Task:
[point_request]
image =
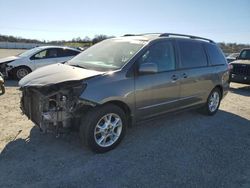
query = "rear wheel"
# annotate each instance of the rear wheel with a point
(213, 102)
(103, 128)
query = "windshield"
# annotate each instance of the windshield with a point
(108, 55)
(245, 54)
(29, 52)
(233, 55)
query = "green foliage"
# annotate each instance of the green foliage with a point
(232, 47)
(4, 38)
(77, 44)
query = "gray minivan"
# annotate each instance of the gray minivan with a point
(123, 80)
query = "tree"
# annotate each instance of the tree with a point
(86, 39)
(99, 38)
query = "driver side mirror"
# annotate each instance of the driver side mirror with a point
(148, 68)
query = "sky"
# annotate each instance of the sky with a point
(219, 20)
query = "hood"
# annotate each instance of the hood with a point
(7, 59)
(54, 74)
(241, 61)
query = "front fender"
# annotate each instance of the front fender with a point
(108, 89)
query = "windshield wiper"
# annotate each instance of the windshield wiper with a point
(79, 66)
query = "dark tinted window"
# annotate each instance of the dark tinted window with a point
(161, 54)
(67, 52)
(215, 55)
(52, 53)
(245, 54)
(192, 54)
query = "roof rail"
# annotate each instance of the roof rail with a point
(129, 35)
(188, 36)
(142, 34)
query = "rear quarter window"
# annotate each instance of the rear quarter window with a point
(192, 54)
(215, 55)
(67, 53)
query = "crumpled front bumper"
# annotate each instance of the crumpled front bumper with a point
(38, 109)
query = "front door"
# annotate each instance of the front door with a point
(45, 57)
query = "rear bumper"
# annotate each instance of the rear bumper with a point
(244, 79)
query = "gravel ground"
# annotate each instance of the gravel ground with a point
(10, 52)
(180, 150)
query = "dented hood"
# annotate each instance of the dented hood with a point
(241, 61)
(54, 74)
(7, 59)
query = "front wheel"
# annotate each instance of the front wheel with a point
(21, 72)
(103, 128)
(2, 89)
(213, 102)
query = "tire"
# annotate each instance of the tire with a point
(2, 89)
(99, 134)
(21, 72)
(213, 102)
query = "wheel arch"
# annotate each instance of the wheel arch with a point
(13, 71)
(220, 88)
(23, 66)
(124, 107)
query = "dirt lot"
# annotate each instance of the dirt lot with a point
(186, 149)
(182, 150)
(10, 52)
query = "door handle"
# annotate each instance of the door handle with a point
(174, 77)
(184, 75)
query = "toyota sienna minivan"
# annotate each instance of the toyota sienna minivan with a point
(124, 80)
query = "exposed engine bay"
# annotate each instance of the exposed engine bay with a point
(55, 107)
(5, 65)
(5, 69)
(51, 96)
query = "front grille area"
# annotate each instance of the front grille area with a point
(3, 69)
(241, 69)
(31, 105)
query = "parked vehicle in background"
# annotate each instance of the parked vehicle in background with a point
(120, 81)
(24, 63)
(2, 88)
(240, 72)
(232, 57)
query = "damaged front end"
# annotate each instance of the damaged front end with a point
(56, 107)
(5, 69)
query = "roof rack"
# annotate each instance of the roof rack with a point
(129, 35)
(188, 36)
(142, 34)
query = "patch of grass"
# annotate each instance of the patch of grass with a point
(78, 44)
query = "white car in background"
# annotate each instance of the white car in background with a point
(24, 63)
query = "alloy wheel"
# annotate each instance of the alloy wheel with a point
(108, 130)
(214, 101)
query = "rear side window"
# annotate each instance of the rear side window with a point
(67, 52)
(192, 54)
(215, 55)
